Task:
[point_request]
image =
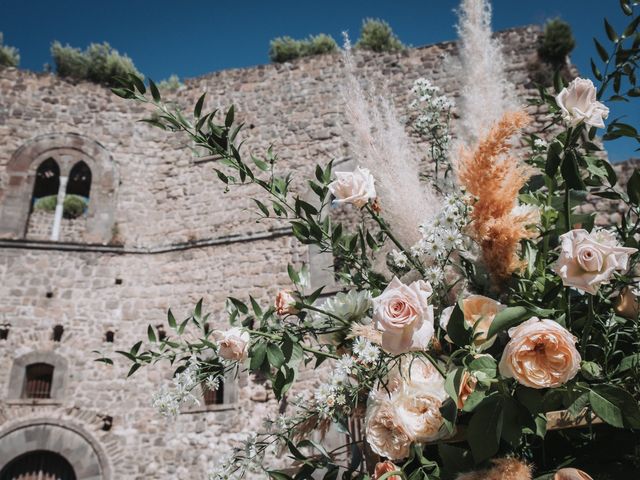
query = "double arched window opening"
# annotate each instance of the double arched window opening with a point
(64, 196)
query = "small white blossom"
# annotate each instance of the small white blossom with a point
(399, 258)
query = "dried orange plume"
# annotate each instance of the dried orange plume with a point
(503, 469)
(493, 177)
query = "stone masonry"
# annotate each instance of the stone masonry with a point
(160, 232)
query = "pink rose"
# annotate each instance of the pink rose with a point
(355, 187)
(589, 259)
(540, 354)
(285, 303)
(467, 386)
(578, 103)
(386, 467)
(383, 431)
(404, 316)
(232, 344)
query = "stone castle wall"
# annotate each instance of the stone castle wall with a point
(161, 233)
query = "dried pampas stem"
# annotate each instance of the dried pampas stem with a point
(494, 178)
(503, 469)
(380, 143)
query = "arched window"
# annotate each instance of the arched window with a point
(47, 183)
(80, 180)
(38, 381)
(38, 465)
(213, 397)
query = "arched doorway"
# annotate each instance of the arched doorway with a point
(38, 465)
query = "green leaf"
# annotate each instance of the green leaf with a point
(626, 7)
(605, 409)
(611, 33)
(485, 429)
(278, 475)
(155, 93)
(633, 187)
(228, 119)
(455, 459)
(151, 334)
(275, 355)
(631, 28)
(457, 329)
(553, 158)
(258, 355)
(601, 51)
(571, 172)
(198, 108)
(596, 71)
(630, 362)
(133, 369)
(263, 208)
(507, 318)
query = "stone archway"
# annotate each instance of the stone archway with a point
(72, 443)
(67, 149)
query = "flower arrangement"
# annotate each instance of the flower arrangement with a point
(453, 355)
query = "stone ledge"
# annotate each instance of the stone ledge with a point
(93, 247)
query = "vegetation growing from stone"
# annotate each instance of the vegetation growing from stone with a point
(557, 42)
(98, 63)
(285, 49)
(73, 206)
(171, 83)
(9, 56)
(376, 35)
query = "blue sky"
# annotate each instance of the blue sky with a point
(193, 37)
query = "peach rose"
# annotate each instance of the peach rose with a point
(285, 303)
(416, 392)
(571, 474)
(467, 386)
(588, 260)
(404, 316)
(540, 354)
(479, 312)
(383, 431)
(232, 344)
(578, 103)
(386, 467)
(355, 187)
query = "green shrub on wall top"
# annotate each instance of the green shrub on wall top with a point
(376, 35)
(73, 206)
(557, 42)
(99, 63)
(285, 49)
(9, 56)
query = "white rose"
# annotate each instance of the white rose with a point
(232, 344)
(589, 259)
(404, 316)
(578, 104)
(355, 187)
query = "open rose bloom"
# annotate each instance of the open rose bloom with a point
(540, 354)
(578, 104)
(403, 314)
(355, 187)
(405, 410)
(588, 260)
(232, 344)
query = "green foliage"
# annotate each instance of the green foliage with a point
(99, 63)
(285, 49)
(73, 206)
(9, 56)
(557, 42)
(172, 83)
(376, 35)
